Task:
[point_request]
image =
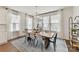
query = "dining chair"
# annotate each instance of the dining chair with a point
(27, 37)
(39, 42)
(53, 40)
(33, 37)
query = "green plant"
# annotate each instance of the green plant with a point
(74, 30)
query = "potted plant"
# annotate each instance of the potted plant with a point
(74, 31)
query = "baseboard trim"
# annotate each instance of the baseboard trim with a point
(16, 38)
(3, 42)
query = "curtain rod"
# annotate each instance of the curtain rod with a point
(50, 12)
(9, 9)
(14, 10)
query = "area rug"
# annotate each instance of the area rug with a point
(24, 47)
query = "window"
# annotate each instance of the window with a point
(29, 22)
(15, 22)
(55, 22)
(40, 23)
(46, 23)
(35, 23)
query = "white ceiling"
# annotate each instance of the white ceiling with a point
(32, 9)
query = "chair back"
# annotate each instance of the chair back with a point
(55, 37)
(32, 36)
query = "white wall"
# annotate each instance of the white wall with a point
(3, 26)
(75, 11)
(67, 12)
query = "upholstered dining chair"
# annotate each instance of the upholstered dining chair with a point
(33, 37)
(39, 42)
(27, 37)
(53, 40)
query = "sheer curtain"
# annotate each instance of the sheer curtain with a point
(55, 22)
(29, 23)
(45, 22)
(40, 23)
(35, 22)
(15, 22)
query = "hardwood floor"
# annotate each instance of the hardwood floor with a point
(8, 47)
(71, 49)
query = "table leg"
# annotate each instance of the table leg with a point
(46, 43)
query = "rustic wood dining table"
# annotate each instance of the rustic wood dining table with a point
(46, 36)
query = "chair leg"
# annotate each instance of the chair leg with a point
(36, 44)
(47, 43)
(25, 37)
(25, 40)
(54, 44)
(41, 47)
(32, 42)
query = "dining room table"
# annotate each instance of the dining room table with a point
(46, 36)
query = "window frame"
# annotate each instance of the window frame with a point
(14, 23)
(55, 23)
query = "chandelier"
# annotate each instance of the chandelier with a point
(36, 12)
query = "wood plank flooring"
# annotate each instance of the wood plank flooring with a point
(71, 49)
(8, 48)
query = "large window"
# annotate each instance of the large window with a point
(40, 23)
(55, 22)
(45, 22)
(29, 22)
(15, 22)
(50, 22)
(35, 22)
